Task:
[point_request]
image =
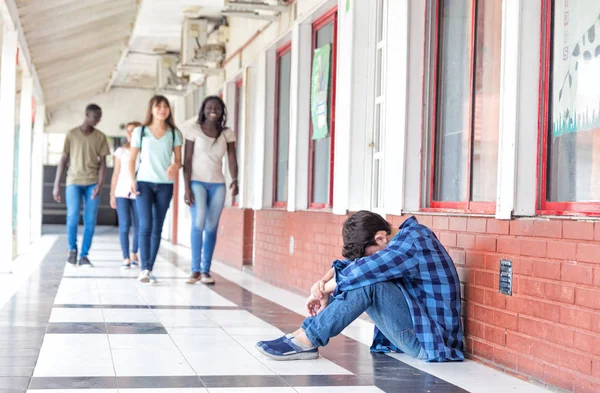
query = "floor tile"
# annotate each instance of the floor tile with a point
(141, 341)
(72, 391)
(165, 390)
(160, 383)
(251, 390)
(76, 315)
(129, 315)
(150, 362)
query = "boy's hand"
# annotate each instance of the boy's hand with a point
(314, 306)
(317, 289)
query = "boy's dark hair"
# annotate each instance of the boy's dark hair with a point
(359, 233)
(92, 108)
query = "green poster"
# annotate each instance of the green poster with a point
(319, 95)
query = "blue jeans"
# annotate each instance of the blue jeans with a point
(128, 217)
(209, 199)
(152, 205)
(74, 195)
(385, 304)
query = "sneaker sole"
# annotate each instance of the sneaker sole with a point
(191, 282)
(145, 280)
(125, 267)
(86, 266)
(297, 356)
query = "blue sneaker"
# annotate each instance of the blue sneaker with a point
(284, 349)
(276, 341)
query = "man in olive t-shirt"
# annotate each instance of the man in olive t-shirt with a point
(85, 152)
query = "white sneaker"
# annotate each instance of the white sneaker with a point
(126, 264)
(152, 278)
(144, 276)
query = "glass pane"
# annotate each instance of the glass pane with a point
(376, 175)
(574, 133)
(283, 126)
(321, 154)
(486, 125)
(377, 129)
(378, 72)
(379, 20)
(454, 100)
(320, 191)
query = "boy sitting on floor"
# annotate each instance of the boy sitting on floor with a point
(403, 279)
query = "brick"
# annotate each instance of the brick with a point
(465, 275)
(440, 222)
(505, 358)
(551, 228)
(485, 279)
(558, 335)
(506, 320)
(495, 299)
(523, 266)
(484, 314)
(532, 287)
(562, 250)
(475, 329)
(576, 362)
(474, 294)
(498, 227)
(537, 309)
(458, 256)
(465, 241)
(546, 352)
(596, 368)
(491, 262)
(577, 273)
(530, 366)
(587, 343)
(597, 232)
(484, 350)
(558, 377)
(531, 327)
(458, 224)
(533, 248)
(585, 385)
(522, 227)
(475, 259)
(448, 239)
(588, 252)
(587, 298)
(518, 342)
(425, 220)
(485, 243)
(509, 246)
(547, 269)
(560, 293)
(476, 224)
(495, 335)
(578, 230)
(569, 315)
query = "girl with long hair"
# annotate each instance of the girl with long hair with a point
(123, 200)
(155, 142)
(206, 143)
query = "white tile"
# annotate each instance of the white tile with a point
(141, 341)
(167, 390)
(72, 391)
(340, 389)
(267, 333)
(113, 315)
(235, 318)
(150, 362)
(236, 364)
(251, 390)
(119, 298)
(195, 331)
(320, 366)
(62, 315)
(183, 318)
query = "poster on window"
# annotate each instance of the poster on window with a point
(319, 93)
(576, 66)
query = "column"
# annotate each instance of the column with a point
(7, 125)
(25, 157)
(37, 172)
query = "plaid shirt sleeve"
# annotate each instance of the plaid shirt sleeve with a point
(396, 261)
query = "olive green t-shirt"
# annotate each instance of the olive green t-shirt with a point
(84, 153)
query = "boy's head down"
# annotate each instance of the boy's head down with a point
(364, 234)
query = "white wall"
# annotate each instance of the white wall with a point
(119, 106)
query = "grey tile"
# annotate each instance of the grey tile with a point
(14, 382)
(13, 345)
(159, 382)
(23, 353)
(76, 328)
(136, 328)
(73, 383)
(17, 371)
(325, 380)
(242, 381)
(18, 361)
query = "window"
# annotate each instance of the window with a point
(321, 150)
(570, 178)
(467, 98)
(282, 124)
(239, 113)
(377, 141)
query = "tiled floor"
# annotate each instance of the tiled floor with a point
(69, 329)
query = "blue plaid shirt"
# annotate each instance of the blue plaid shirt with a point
(418, 263)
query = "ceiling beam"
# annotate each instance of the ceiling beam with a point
(81, 77)
(65, 10)
(62, 62)
(10, 15)
(62, 98)
(74, 54)
(76, 42)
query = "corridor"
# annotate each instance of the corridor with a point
(99, 330)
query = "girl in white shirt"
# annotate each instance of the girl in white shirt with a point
(206, 143)
(123, 200)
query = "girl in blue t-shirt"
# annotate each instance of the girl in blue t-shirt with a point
(156, 142)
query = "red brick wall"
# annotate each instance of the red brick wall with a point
(549, 329)
(235, 237)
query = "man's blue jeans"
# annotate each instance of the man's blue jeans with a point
(152, 205)
(74, 195)
(128, 218)
(209, 199)
(385, 304)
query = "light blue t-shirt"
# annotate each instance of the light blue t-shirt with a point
(156, 154)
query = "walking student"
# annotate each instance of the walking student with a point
(123, 200)
(84, 152)
(155, 142)
(206, 143)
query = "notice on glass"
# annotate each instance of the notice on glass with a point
(319, 92)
